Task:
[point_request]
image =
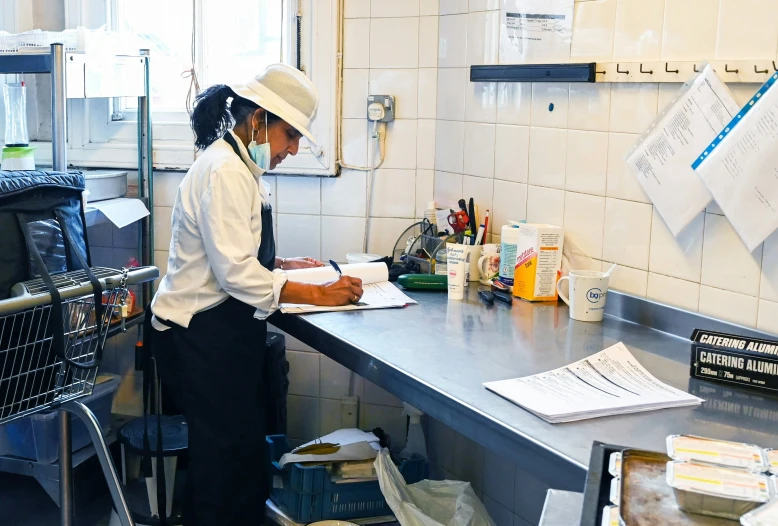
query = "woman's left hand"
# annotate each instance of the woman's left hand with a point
(299, 263)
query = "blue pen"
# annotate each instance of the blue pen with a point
(337, 269)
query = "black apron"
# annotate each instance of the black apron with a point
(213, 370)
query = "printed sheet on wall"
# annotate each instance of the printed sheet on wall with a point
(740, 167)
(662, 158)
(535, 31)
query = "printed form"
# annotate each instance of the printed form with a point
(663, 157)
(610, 382)
(740, 168)
(536, 31)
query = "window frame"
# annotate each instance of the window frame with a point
(94, 140)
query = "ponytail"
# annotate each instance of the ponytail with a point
(212, 116)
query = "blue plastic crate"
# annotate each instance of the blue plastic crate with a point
(307, 494)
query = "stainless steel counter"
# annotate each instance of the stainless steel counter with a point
(436, 355)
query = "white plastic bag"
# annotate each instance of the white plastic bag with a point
(429, 502)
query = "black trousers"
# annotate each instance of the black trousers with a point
(213, 372)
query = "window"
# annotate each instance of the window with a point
(235, 40)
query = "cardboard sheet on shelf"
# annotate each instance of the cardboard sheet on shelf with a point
(122, 211)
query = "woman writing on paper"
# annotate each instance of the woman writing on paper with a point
(224, 280)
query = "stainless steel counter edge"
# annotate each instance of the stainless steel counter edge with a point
(546, 463)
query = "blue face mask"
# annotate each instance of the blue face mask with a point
(260, 153)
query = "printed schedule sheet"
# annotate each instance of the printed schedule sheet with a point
(740, 168)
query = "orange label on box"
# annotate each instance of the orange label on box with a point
(538, 258)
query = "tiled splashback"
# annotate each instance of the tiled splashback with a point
(554, 152)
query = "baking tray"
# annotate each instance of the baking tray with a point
(646, 497)
(598, 483)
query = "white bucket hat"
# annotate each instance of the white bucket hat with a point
(285, 92)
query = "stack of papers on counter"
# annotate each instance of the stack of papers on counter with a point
(610, 382)
(379, 292)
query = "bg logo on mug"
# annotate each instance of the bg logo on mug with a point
(595, 295)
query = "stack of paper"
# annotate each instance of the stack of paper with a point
(610, 382)
(379, 293)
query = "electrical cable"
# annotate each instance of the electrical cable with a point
(380, 139)
(191, 73)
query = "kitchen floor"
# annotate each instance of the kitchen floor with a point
(23, 502)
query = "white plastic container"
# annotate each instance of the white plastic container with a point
(36, 437)
(456, 265)
(509, 236)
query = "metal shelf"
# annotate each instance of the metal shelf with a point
(86, 76)
(83, 76)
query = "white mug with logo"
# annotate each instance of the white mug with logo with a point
(588, 292)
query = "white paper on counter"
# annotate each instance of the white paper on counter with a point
(662, 158)
(611, 382)
(740, 167)
(378, 291)
(122, 211)
(536, 31)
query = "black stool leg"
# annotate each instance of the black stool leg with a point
(109, 470)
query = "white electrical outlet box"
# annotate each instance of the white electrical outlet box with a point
(384, 101)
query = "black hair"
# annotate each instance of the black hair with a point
(212, 116)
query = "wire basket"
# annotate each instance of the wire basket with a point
(36, 375)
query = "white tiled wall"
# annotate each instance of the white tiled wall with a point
(543, 152)
(556, 153)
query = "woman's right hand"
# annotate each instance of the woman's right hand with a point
(344, 291)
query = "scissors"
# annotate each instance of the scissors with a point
(458, 221)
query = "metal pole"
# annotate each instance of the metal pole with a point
(104, 456)
(59, 137)
(66, 510)
(59, 162)
(145, 175)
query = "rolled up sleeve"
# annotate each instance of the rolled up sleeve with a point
(224, 218)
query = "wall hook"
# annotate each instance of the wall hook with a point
(695, 69)
(760, 71)
(618, 69)
(776, 69)
(600, 72)
(726, 68)
(672, 70)
(650, 72)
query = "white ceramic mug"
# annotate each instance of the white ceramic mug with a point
(588, 292)
(489, 267)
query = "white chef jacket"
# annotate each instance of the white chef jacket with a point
(216, 232)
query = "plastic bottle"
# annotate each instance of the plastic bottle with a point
(416, 444)
(429, 215)
(509, 235)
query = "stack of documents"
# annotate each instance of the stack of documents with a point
(610, 382)
(379, 293)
